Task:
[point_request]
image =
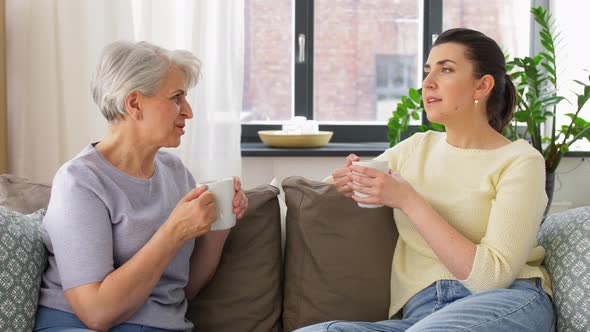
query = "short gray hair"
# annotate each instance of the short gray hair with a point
(125, 67)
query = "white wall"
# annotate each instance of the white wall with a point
(261, 170)
(572, 184)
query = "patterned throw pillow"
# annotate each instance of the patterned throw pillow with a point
(566, 239)
(23, 258)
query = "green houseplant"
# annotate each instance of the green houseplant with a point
(536, 110)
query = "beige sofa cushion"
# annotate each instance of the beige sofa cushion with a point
(337, 256)
(22, 195)
(245, 293)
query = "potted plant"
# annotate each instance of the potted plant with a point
(536, 106)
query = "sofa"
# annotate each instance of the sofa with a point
(333, 262)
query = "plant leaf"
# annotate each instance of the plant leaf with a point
(416, 95)
(581, 101)
(437, 126)
(409, 103)
(548, 46)
(570, 115)
(564, 149)
(401, 110)
(423, 128)
(521, 116)
(547, 57)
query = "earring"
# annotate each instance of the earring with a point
(476, 101)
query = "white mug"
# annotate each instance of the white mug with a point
(382, 165)
(223, 191)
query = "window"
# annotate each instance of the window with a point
(507, 22)
(349, 37)
(572, 60)
(394, 76)
(268, 61)
(347, 63)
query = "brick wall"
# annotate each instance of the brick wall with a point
(348, 36)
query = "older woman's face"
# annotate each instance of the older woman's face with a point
(450, 83)
(166, 111)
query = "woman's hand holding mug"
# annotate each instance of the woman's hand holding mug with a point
(194, 214)
(342, 176)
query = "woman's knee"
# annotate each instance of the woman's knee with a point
(321, 327)
(345, 326)
(501, 310)
(333, 326)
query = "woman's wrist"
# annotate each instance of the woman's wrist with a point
(412, 202)
(174, 233)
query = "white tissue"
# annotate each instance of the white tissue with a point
(299, 125)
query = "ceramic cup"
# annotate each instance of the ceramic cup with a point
(381, 165)
(223, 190)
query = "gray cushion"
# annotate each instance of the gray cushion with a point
(566, 239)
(22, 195)
(23, 258)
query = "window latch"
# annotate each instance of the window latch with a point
(301, 42)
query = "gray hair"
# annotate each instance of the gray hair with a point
(125, 67)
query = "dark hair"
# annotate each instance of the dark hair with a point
(487, 58)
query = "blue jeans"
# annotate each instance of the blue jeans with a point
(53, 320)
(448, 306)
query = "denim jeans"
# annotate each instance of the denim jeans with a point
(53, 320)
(448, 306)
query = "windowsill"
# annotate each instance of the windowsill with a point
(579, 154)
(369, 149)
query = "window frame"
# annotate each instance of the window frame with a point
(303, 78)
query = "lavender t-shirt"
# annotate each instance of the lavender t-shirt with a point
(99, 217)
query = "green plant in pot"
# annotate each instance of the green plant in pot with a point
(536, 111)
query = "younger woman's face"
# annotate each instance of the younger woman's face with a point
(449, 87)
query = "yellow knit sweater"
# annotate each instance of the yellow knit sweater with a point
(495, 198)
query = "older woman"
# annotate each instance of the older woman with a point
(127, 232)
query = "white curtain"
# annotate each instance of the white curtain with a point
(573, 62)
(214, 31)
(53, 48)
